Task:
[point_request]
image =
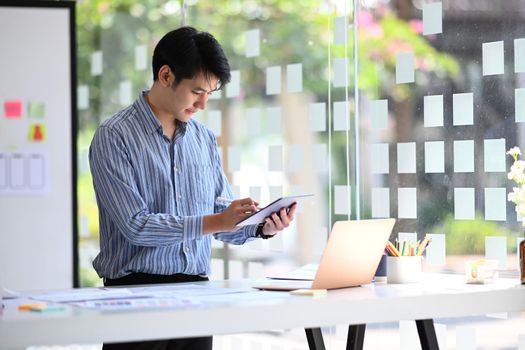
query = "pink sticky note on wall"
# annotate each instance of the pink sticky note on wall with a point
(13, 109)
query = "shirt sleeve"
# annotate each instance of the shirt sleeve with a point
(223, 189)
(118, 195)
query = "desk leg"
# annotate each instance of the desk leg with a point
(315, 338)
(356, 337)
(427, 334)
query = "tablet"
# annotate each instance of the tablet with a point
(259, 216)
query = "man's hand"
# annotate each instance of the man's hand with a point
(280, 220)
(238, 210)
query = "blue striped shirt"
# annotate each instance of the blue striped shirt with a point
(152, 194)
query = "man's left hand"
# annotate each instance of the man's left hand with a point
(280, 220)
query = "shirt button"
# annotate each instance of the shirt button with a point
(180, 196)
(187, 249)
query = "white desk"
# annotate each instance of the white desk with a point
(435, 297)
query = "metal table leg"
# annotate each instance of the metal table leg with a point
(356, 337)
(427, 334)
(315, 338)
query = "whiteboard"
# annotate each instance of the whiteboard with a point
(37, 145)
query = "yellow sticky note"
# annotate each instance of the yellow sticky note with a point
(309, 292)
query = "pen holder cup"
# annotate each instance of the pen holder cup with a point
(403, 269)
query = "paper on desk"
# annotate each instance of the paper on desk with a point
(189, 290)
(83, 294)
(138, 303)
(304, 273)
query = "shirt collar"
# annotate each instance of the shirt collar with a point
(149, 120)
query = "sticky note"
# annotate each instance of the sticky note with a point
(310, 292)
(235, 269)
(340, 72)
(317, 115)
(320, 157)
(519, 104)
(275, 120)
(16, 168)
(519, 55)
(255, 193)
(381, 202)
(36, 170)
(96, 63)
(273, 80)
(37, 132)
(83, 97)
(253, 40)
(464, 208)
(28, 306)
(13, 109)
(215, 121)
(496, 249)
(406, 157)
(296, 190)
(342, 200)
(494, 155)
(215, 95)
(340, 30)
(464, 156)
(141, 57)
(275, 158)
(233, 89)
(378, 114)
(341, 117)
(318, 241)
(3, 171)
(47, 308)
(432, 18)
(434, 157)
(234, 159)
(295, 159)
(276, 243)
(255, 269)
(409, 237)
(407, 203)
(236, 190)
(433, 110)
(294, 77)
(405, 67)
(217, 267)
(465, 338)
(493, 60)
(275, 192)
(379, 158)
(125, 93)
(253, 121)
(37, 110)
(463, 109)
(436, 250)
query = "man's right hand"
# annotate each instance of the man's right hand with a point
(225, 221)
(238, 210)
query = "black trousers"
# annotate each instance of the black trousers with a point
(201, 343)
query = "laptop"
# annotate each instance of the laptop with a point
(349, 259)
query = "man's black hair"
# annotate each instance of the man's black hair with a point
(189, 52)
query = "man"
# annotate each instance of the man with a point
(157, 175)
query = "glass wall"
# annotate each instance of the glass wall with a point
(380, 108)
(440, 103)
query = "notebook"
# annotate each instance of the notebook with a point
(349, 259)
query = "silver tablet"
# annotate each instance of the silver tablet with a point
(283, 202)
